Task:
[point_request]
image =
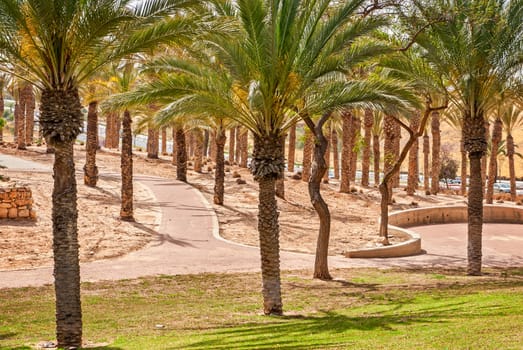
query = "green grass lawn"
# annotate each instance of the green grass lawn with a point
(361, 309)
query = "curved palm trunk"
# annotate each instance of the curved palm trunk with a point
(61, 120)
(291, 154)
(335, 154)
(181, 155)
(126, 211)
(426, 153)
(346, 117)
(368, 122)
(307, 156)
(463, 167)
(412, 181)
(319, 167)
(511, 168)
(267, 165)
(232, 139)
(91, 145)
(436, 145)
(219, 175)
(493, 163)
(476, 146)
(376, 158)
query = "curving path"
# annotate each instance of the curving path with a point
(188, 242)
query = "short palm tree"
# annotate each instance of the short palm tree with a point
(474, 44)
(57, 45)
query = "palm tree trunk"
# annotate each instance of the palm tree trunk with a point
(232, 139)
(19, 116)
(174, 160)
(396, 152)
(476, 146)
(511, 168)
(219, 175)
(181, 155)
(493, 163)
(238, 145)
(319, 167)
(307, 155)
(412, 181)
(198, 150)
(109, 129)
(326, 155)
(126, 211)
(355, 134)
(368, 122)
(244, 147)
(267, 165)
(280, 181)
(463, 167)
(164, 141)
(376, 158)
(389, 158)
(153, 137)
(484, 158)
(212, 147)
(1, 111)
(61, 121)
(292, 149)
(90, 168)
(335, 154)
(346, 117)
(426, 153)
(30, 105)
(436, 145)
(206, 146)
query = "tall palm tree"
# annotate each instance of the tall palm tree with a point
(436, 145)
(67, 45)
(413, 173)
(474, 45)
(497, 130)
(377, 132)
(368, 120)
(512, 117)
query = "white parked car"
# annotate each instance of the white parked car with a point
(502, 187)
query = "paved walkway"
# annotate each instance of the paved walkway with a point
(188, 242)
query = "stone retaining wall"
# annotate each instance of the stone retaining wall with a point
(16, 203)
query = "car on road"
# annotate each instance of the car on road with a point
(501, 187)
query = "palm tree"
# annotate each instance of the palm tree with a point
(368, 121)
(512, 118)
(497, 130)
(474, 45)
(377, 132)
(413, 174)
(308, 146)
(67, 45)
(436, 145)
(291, 152)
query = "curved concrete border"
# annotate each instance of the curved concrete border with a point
(400, 220)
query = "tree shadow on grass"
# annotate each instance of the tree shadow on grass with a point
(327, 329)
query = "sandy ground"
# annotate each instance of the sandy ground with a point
(28, 244)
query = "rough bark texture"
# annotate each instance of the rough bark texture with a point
(232, 139)
(198, 150)
(164, 141)
(326, 156)
(1, 111)
(244, 147)
(413, 177)
(484, 156)
(153, 138)
(511, 168)
(206, 138)
(61, 120)
(267, 165)
(355, 135)
(308, 147)
(212, 146)
(30, 105)
(112, 133)
(319, 167)
(126, 211)
(368, 122)
(396, 151)
(426, 154)
(280, 181)
(174, 160)
(181, 155)
(91, 145)
(476, 146)
(463, 167)
(238, 151)
(335, 154)
(493, 163)
(376, 158)
(19, 116)
(389, 158)
(219, 175)
(436, 145)
(346, 149)
(291, 154)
